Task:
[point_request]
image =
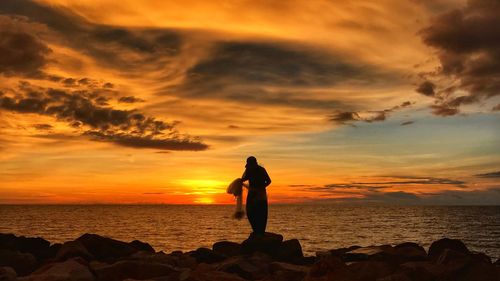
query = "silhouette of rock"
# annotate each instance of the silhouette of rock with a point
(244, 267)
(410, 251)
(106, 249)
(7, 274)
(290, 251)
(74, 269)
(72, 249)
(227, 248)
(140, 270)
(207, 256)
(287, 272)
(268, 243)
(142, 246)
(22, 263)
(36, 246)
(437, 247)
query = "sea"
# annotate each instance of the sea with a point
(318, 227)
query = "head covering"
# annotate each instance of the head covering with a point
(251, 162)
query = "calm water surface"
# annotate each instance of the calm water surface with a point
(318, 227)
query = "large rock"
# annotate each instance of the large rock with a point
(244, 268)
(373, 253)
(104, 248)
(437, 247)
(227, 248)
(371, 270)
(22, 263)
(36, 246)
(72, 249)
(207, 256)
(204, 272)
(290, 251)
(134, 270)
(142, 246)
(70, 270)
(268, 243)
(409, 251)
(7, 274)
(287, 272)
(329, 268)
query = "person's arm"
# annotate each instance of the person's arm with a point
(267, 178)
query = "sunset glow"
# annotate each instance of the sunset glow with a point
(162, 101)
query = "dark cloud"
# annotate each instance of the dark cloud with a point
(468, 45)
(407, 123)
(111, 45)
(489, 175)
(130, 99)
(82, 110)
(22, 53)
(42, 127)
(426, 88)
(348, 117)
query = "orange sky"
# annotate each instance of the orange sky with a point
(162, 101)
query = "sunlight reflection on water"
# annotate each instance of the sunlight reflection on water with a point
(318, 227)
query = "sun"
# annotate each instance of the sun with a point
(204, 200)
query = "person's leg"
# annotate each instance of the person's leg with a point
(251, 215)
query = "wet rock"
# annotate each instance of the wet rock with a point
(73, 249)
(70, 270)
(104, 248)
(36, 246)
(142, 246)
(227, 248)
(437, 247)
(290, 251)
(287, 272)
(268, 243)
(409, 251)
(22, 263)
(207, 256)
(7, 274)
(133, 269)
(244, 268)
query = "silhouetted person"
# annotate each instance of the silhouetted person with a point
(257, 198)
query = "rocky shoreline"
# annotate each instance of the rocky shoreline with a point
(92, 257)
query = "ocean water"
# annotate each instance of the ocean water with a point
(318, 227)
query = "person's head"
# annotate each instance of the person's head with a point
(251, 162)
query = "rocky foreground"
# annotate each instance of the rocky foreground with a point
(93, 258)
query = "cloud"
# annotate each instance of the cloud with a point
(82, 110)
(468, 47)
(407, 123)
(43, 127)
(130, 99)
(348, 117)
(489, 175)
(23, 53)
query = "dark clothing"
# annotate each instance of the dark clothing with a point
(257, 198)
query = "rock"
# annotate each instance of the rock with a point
(70, 270)
(243, 267)
(227, 248)
(437, 247)
(396, 277)
(409, 251)
(207, 256)
(38, 247)
(478, 271)
(268, 243)
(339, 252)
(7, 274)
(124, 269)
(420, 270)
(497, 263)
(371, 270)
(290, 251)
(287, 272)
(142, 246)
(374, 253)
(72, 249)
(104, 248)
(204, 272)
(329, 268)
(22, 263)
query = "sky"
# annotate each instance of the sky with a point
(346, 102)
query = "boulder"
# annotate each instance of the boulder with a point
(142, 246)
(104, 248)
(409, 251)
(70, 270)
(287, 272)
(140, 270)
(243, 267)
(22, 263)
(227, 248)
(207, 256)
(204, 272)
(72, 249)
(290, 251)
(374, 253)
(339, 252)
(371, 270)
(329, 268)
(268, 243)
(437, 247)
(420, 270)
(7, 274)
(37, 246)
